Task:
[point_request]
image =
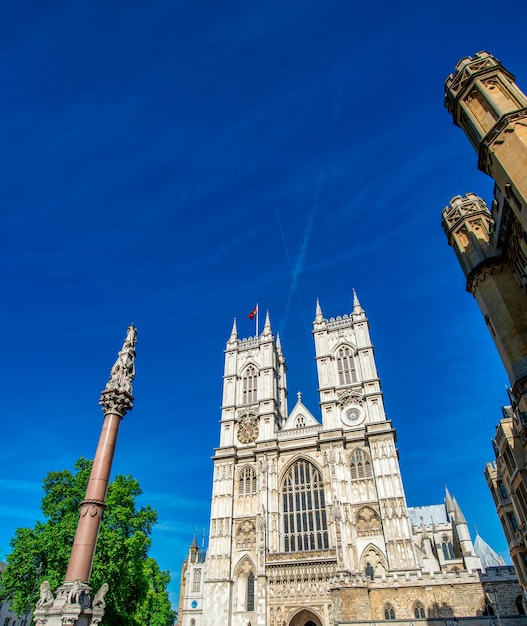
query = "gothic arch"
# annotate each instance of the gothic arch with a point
(344, 357)
(373, 562)
(303, 507)
(246, 480)
(295, 459)
(343, 343)
(244, 566)
(249, 383)
(305, 617)
(360, 464)
(244, 584)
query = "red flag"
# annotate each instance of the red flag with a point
(253, 313)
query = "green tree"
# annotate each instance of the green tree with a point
(137, 593)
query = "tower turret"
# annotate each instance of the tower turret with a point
(469, 226)
(485, 102)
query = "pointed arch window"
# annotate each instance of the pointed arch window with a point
(448, 548)
(346, 366)
(304, 509)
(419, 610)
(247, 481)
(389, 611)
(360, 466)
(249, 385)
(250, 592)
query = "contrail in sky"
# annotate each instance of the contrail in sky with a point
(298, 268)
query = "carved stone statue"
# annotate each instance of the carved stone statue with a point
(46, 595)
(98, 599)
(123, 371)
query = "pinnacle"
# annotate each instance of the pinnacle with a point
(357, 308)
(319, 317)
(267, 325)
(234, 331)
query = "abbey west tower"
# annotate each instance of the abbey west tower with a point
(281, 485)
(309, 522)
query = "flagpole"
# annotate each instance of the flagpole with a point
(257, 312)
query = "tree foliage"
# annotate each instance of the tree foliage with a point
(137, 593)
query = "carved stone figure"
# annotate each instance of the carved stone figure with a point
(46, 595)
(98, 599)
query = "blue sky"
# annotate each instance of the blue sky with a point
(171, 164)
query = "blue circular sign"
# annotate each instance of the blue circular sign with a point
(194, 604)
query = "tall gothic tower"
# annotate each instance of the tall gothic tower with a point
(309, 522)
(492, 247)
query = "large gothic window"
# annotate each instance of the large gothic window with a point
(360, 466)
(247, 481)
(304, 507)
(249, 385)
(346, 366)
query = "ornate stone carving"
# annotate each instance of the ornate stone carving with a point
(117, 395)
(99, 603)
(350, 397)
(123, 371)
(368, 522)
(46, 595)
(246, 535)
(92, 508)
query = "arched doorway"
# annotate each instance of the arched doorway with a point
(305, 617)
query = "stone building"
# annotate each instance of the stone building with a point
(309, 522)
(491, 246)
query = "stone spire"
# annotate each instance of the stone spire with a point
(318, 313)
(357, 308)
(234, 334)
(267, 326)
(460, 518)
(73, 603)
(358, 311)
(117, 395)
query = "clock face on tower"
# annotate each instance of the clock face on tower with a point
(352, 415)
(248, 431)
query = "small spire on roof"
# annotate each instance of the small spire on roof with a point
(234, 331)
(357, 308)
(267, 326)
(460, 518)
(449, 504)
(299, 396)
(318, 313)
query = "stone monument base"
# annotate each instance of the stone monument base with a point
(72, 605)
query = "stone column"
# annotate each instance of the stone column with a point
(73, 603)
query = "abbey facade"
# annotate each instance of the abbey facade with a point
(309, 522)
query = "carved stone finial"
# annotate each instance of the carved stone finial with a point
(123, 371)
(299, 396)
(117, 395)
